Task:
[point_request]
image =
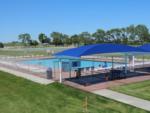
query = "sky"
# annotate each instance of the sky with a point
(68, 16)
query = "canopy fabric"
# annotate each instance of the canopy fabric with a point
(98, 49)
(145, 47)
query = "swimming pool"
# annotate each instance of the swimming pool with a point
(50, 63)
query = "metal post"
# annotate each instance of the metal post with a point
(70, 68)
(112, 73)
(143, 61)
(112, 62)
(60, 71)
(93, 63)
(126, 61)
(133, 61)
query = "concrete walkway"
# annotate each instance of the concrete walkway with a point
(27, 76)
(133, 101)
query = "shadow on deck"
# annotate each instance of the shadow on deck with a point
(100, 78)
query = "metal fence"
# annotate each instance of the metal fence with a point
(14, 64)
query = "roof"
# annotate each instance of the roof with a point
(98, 49)
(145, 47)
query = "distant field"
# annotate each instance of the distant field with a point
(18, 95)
(140, 89)
(30, 51)
(46, 51)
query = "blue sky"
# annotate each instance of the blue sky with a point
(68, 16)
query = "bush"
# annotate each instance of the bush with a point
(33, 43)
(1, 45)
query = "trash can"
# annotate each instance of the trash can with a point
(49, 73)
(78, 73)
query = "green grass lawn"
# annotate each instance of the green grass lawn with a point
(21, 53)
(140, 89)
(18, 95)
(29, 51)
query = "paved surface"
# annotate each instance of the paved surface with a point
(27, 76)
(140, 103)
(108, 84)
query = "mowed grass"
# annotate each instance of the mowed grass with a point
(140, 89)
(22, 53)
(18, 95)
(29, 51)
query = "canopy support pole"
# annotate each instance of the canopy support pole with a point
(112, 63)
(60, 71)
(143, 61)
(93, 63)
(133, 61)
(70, 68)
(126, 62)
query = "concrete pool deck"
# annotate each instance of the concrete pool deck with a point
(107, 84)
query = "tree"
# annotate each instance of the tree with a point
(66, 40)
(124, 36)
(142, 33)
(131, 33)
(43, 38)
(117, 35)
(85, 38)
(33, 43)
(99, 36)
(1, 45)
(128, 35)
(124, 40)
(57, 38)
(75, 39)
(25, 38)
(114, 35)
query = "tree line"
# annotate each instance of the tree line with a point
(133, 35)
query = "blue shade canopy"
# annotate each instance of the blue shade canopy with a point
(98, 49)
(145, 47)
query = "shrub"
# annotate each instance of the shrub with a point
(1, 45)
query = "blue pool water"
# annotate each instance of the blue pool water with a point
(54, 62)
